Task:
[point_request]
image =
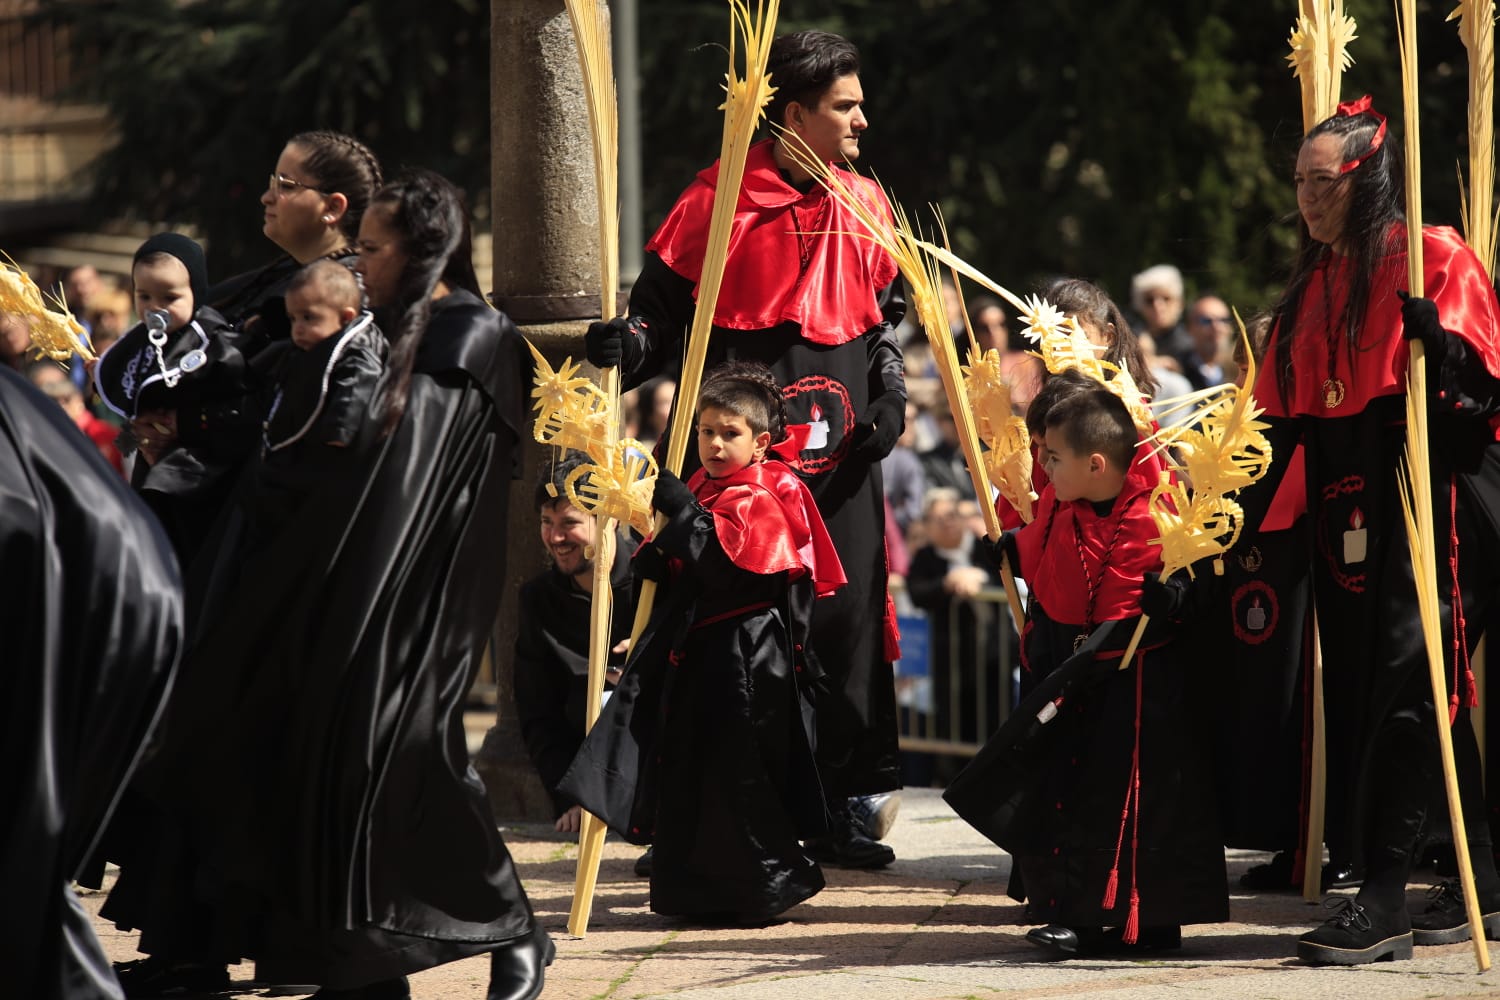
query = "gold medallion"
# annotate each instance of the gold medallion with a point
(1333, 393)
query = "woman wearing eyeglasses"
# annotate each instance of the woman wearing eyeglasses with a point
(1334, 380)
(313, 203)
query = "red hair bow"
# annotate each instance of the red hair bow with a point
(1359, 106)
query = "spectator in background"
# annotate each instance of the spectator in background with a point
(654, 409)
(903, 476)
(15, 342)
(49, 377)
(945, 574)
(1210, 325)
(1156, 295)
(944, 463)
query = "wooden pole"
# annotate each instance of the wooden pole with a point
(1317, 791)
(590, 20)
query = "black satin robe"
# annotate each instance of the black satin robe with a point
(91, 615)
(1052, 794)
(317, 752)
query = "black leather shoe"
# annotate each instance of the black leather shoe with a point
(643, 864)
(1446, 921)
(385, 989)
(1356, 935)
(1065, 942)
(519, 968)
(846, 845)
(160, 977)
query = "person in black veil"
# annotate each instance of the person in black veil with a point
(79, 697)
(317, 748)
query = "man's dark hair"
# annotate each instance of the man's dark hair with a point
(803, 66)
(1095, 421)
(549, 487)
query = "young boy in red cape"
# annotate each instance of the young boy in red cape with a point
(1094, 784)
(705, 749)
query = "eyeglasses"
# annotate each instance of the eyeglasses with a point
(1211, 320)
(284, 186)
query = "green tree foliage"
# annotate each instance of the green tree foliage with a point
(1075, 137)
(1065, 137)
(205, 94)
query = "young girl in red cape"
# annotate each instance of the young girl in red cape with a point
(705, 749)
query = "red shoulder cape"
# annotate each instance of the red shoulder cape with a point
(1055, 571)
(767, 522)
(833, 303)
(1455, 280)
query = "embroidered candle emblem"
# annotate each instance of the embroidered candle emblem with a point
(1255, 618)
(1355, 538)
(1333, 393)
(817, 436)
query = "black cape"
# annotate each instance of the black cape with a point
(91, 612)
(317, 750)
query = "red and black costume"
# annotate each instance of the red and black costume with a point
(1095, 784)
(818, 306)
(1346, 405)
(704, 749)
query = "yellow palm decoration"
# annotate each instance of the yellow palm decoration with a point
(54, 331)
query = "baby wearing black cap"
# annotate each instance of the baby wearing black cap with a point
(180, 381)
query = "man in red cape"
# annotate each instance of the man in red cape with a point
(818, 306)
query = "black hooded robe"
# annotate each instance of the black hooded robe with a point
(317, 753)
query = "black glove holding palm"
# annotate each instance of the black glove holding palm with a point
(671, 495)
(998, 549)
(1419, 321)
(878, 428)
(613, 344)
(1165, 599)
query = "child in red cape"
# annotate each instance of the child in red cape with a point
(707, 739)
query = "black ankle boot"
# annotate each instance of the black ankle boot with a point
(1356, 935)
(846, 845)
(518, 968)
(1446, 921)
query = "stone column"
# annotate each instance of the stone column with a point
(546, 276)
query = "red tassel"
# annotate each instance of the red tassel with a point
(1110, 888)
(1133, 922)
(1473, 699)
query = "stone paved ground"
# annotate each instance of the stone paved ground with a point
(934, 926)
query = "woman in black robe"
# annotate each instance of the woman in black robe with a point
(323, 710)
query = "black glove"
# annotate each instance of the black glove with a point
(649, 563)
(614, 344)
(1419, 321)
(1164, 599)
(671, 495)
(998, 549)
(877, 430)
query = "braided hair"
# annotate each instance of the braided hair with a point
(748, 390)
(341, 163)
(428, 214)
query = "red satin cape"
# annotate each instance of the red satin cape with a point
(833, 302)
(767, 522)
(1455, 281)
(1055, 572)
